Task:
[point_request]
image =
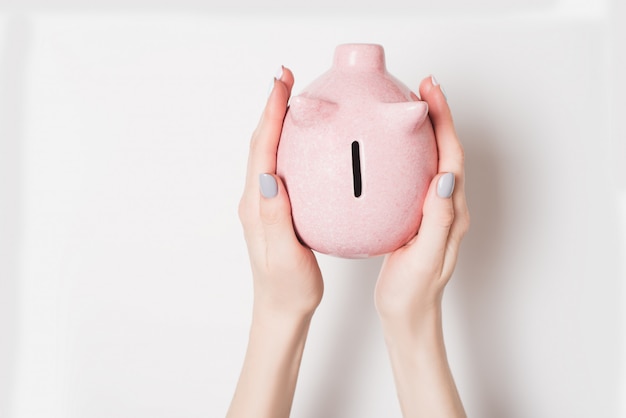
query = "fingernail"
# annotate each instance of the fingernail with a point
(279, 73)
(445, 185)
(277, 76)
(436, 83)
(268, 185)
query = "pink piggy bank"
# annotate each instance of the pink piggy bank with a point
(357, 154)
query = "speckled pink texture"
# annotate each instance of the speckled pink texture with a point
(356, 100)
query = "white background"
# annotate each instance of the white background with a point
(124, 284)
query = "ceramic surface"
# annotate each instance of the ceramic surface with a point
(357, 155)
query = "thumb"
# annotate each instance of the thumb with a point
(275, 210)
(438, 216)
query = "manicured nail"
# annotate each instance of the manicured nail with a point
(445, 185)
(277, 76)
(436, 83)
(279, 73)
(269, 187)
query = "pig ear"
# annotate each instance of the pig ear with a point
(305, 110)
(405, 115)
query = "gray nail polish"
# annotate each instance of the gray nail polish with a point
(445, 185)
(268, 185)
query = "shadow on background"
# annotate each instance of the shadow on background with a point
(489, 311)
(14, 61)
(478, 295)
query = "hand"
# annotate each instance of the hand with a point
(412, 278)
(288, 284)
(287, 278)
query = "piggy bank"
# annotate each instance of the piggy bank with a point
(357, 154)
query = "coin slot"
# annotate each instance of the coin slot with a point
(356, 169)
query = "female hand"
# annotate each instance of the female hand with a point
(287, 278)
(287, 281)
(412, 280)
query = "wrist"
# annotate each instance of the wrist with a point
(270, 311)
(418, 337)
(276, 320)
(285, 305)
(416, 323)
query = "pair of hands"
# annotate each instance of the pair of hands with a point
(288, 284)
(287, 278)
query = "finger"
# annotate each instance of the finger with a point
(275, 213)
(438, 217)
(448, 144)
(459, 228)
(264, 142)
(451, 155)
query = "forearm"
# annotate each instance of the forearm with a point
(270, 371)
(420, 366)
